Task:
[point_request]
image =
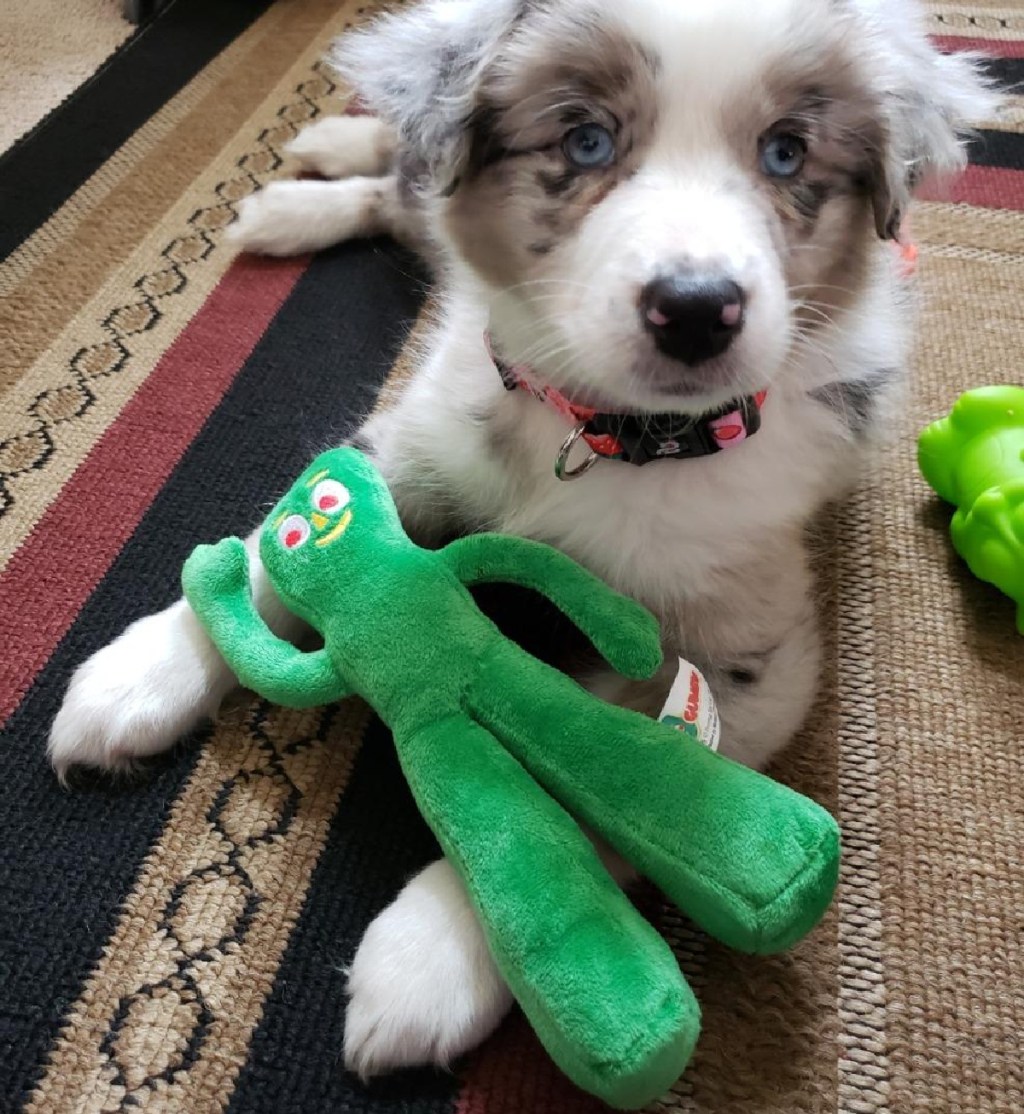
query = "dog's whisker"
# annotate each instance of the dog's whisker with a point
(812, 344)
(527, 283)
(822, 286)
(821, 313)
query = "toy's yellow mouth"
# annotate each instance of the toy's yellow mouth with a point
(338, 530)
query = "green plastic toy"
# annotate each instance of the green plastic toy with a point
(497, 746)
(975, 459)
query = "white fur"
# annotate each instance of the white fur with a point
(138, 694)
(288, 218)
(343, 147)
(151, 685)
(714, 544)
(422, 987)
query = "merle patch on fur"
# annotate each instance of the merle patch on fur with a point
(555, 184)
(854, 399)
(808, 199)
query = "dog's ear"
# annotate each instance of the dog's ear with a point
(420, 71)
(928, 101)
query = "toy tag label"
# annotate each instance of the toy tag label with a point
(690, 707)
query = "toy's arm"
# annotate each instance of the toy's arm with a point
(215, 579)
(625, 633)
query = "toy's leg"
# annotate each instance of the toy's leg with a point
(752, 861)
(600, 987)
(989, 535)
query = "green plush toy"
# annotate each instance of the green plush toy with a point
(974, 459)
(499, 749)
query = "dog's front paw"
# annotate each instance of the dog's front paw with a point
(289, 218)
(274, 220)
(343, 146)
(423, 987)
(139, 694)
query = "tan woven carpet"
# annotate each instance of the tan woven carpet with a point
(177, 945)
(47, 49)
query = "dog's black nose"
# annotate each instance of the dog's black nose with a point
(692, 316)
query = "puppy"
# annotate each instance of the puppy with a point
(673, 225)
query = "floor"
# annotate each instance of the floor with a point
(47, 49)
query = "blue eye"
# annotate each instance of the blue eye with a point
(589, 146)
(782, 156)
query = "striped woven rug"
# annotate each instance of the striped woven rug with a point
(177, 945)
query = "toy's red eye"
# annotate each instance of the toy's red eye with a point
(293, 532)
(330, 497)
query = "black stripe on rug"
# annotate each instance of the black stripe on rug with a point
(1008, 73)
(377, 841)
(995, 148)
(44, 168)
(68, 860)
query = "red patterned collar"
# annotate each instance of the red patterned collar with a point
(635, 437)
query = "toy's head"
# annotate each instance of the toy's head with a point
(338, 514)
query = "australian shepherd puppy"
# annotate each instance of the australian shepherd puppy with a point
(673, 322)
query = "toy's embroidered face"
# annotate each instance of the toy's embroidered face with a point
(340, 497)
(326, 518)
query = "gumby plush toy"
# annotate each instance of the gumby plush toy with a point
(974, 458)
(502, 752)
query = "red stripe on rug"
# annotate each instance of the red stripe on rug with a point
(52, 574)
(990, 187)
(512, 1073)
(996, 47)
